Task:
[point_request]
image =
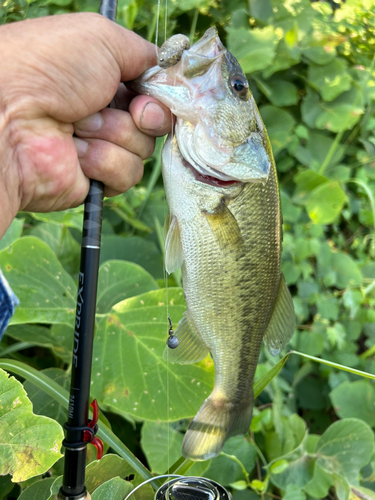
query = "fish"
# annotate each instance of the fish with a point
(224, 230)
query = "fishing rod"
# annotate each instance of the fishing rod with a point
(79, 430)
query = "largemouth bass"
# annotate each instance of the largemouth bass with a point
(224, 229)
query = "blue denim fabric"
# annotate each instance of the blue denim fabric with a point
(8, 302)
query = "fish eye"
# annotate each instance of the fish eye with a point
(239, 85)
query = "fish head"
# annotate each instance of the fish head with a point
(219, 130)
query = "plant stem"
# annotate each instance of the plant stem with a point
(235, 459)
(193, 26)
(331, 152)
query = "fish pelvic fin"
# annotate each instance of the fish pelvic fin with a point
(173, 248)
(283, 320)
(191, 347)
(215, 422)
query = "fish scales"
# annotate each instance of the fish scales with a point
(224, 229)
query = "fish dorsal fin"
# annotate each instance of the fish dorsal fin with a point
(173, 248)
(224, 226)
(283, 320)
(191, 347)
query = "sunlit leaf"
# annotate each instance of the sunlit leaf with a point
(30, 444)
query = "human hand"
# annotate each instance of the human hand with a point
(57, 76)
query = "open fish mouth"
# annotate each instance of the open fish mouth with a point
(209, 179)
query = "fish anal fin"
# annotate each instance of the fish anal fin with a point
(191, 347)
(283, 320)
(224, 226)
(173, 247)
(215, 422)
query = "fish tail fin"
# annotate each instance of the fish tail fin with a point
(215, 422)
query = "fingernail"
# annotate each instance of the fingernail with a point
(81, 146)
(91, 123)
(153, 117)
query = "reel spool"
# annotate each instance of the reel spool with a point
(192, 488)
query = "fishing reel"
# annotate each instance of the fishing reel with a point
(192, 488)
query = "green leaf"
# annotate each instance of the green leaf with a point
(30, 444)
(293, 492)
(138, 386)
(6, 486)
(320, 484)
(161, 444)
(101, 471)
(46, 291)
(280, 92)
(347, 271)
(345, 447)
(13, 233)
(355, 399)
(311, 343)
(46, 405)
(279, 124)
(319, 54)
(59, 238)
(40, 490)
(338, 115)
(227, 470)
(59, 338)
(114, 489)
(330, 80)
(253, 49)
(119, 280)
(73, 217)
(133, 249)
(262, 383)
(315, 150)
(306, 181)
(325, 203)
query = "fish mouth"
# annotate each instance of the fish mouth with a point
(208, 179)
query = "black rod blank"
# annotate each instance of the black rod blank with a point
(73, 487)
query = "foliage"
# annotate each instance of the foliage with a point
(311, 70)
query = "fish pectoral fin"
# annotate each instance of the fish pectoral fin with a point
(173, 248)
(283, 320)
(191, 348)
(224, 226)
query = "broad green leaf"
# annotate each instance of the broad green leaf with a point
(119, 280)
(287, 438)
(293, 492)
(280, 92)
(101, 471)
(285, 57)
(225, 469)
(133, 249)
(114, 489)
(30, 444)
(73, 217)
(320, 484)
(59, 338)
(320, 55)
(253, 49)
(129, 374)
(345, 447)
(40, 490)
(347, 271)
(279, 124)
(13, 233)
(306, 181)
(338, 115)
(161, 444)
(261, 10)
(315, 150)
(46, 291)
(59, 238)
(44, 404)
(330, 80)
(311, 343)
(325, 203)
(262, 383)
(355, 399)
